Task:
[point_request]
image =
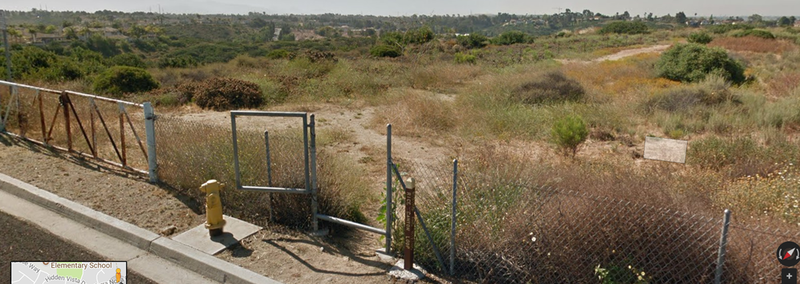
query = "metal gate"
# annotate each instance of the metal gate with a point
(309, 167)
(57, 117)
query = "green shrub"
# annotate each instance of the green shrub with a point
(278, 54)
(631, 28)
(693, 62)
(182, 61)
(701, 38)
(119, 80)
(227, 93)
(512, 37)
(756, 33)
(550, 88)
(418, 36)
(569, 132)
(128, 59)
(464, 58)
(473, 40)
(383, 50)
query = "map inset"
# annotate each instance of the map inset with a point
(87, 272)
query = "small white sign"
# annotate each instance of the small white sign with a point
(663, 149)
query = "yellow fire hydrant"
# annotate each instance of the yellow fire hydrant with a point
(214, 222)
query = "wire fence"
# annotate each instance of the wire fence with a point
(512, 231)
(193, 149)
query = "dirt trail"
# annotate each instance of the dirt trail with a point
(621, 54)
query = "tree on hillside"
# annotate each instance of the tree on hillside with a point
(784, 22)
(680, 18)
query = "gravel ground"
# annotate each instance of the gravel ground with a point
(284, 255)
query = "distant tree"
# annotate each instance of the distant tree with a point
(257, 23)
(680, 18)
(755, 18)
(473, 40)
(418, 36)
(785, 22)
(50, 29)
(137, 31)
(512, 37)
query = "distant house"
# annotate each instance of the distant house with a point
(48, 38)
(797, 23)
(277, 34)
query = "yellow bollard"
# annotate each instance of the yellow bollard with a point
(214, 221)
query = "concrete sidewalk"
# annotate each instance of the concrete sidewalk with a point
(158, 258)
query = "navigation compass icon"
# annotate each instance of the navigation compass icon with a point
(788, 254)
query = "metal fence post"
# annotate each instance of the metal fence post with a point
(269, 175)
(389, 209)
(314, 189)
(723, 242)
(150, 131)
(408, 251)
(453, 220)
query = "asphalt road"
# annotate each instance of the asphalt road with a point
(23, 241)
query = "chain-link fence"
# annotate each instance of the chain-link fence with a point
(512, 231)
(193, 148)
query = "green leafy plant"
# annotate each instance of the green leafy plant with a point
(473, 40)
(119, 80)
(383, 50)
(569, 132)
(700, 38)
(464, 58)
(693, 62)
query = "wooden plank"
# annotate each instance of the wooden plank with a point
(663, 149)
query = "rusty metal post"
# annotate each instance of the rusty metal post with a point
(41, 118)
(122, 134)
(408, 251)
(64, 100)
(94, 137)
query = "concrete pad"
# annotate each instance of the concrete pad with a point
(234, 231)
(415, 274)
(668, 150)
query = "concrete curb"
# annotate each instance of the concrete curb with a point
(190, 258)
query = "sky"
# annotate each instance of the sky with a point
(427, 7)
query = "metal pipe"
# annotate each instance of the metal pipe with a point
(723, 242)
(305, 154)
(103, 98)
(274, 189)
(12, 84)
(389, 212)
(271, 113)
(238, 175)
(314, 189)
(350, 224)
(269, 175)
(150, 131)
(453, 220)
